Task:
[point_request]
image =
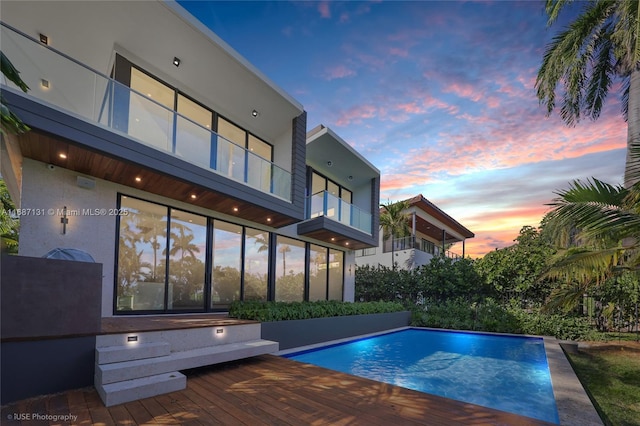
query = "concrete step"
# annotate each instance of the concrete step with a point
(182, 360)
(185, 339)
(132, 351)
(145, 387)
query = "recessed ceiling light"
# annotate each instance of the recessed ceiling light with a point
(44, 39)
(346, 244)
(194, 196)
(268, 219)
(333, 238)
(235, 209)
(176, 61)
(138, 179)
(62, 155)
(255, 113)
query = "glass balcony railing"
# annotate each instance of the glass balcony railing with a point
(325, 204)
(67, 84)
(408, 243)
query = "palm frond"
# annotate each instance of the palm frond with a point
(583, 265)
(598, 209)
(553, 8)
(626, 36)
(601, 75)
(565, 298)
(567, 58)
(11, 72)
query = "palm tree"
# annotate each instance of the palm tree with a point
(597, 225)
(284, 249)
(394, 222)
(10, 121)
(602, 44)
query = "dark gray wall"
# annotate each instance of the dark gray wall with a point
(291, 334)
(49, 298)
(50, 313)
(39, 367)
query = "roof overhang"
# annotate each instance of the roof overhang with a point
(334, 157)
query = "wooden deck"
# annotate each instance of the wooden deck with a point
(132, 323)
(268, 390)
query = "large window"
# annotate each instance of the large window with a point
(148, 115)
(290, 261)
(170, 260)
(330, 199)
(227, 258)
(142, 256)
(256, 264)
(193, 138)
(317, 272)
(336, 274)
(187, 258)
(151, 122)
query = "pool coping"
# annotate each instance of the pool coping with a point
(574, 406)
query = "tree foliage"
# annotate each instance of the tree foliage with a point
(514, 272)
(601, 46)
(9, 225)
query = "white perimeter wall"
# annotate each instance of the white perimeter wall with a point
(50, 190)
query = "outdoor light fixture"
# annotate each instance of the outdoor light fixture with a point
(329, 163)
(132, 338)
(176, 61)
(235, 209)
(219, 330)
(350, 177)
(194, 196)
(44, 83)
(138, 179)
(64, 220)
(62, 155)
(44, 39)
(254, 113)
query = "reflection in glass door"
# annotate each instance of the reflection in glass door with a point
(187, 258)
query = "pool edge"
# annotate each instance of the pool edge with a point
(574, 405)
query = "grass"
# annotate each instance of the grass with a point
(610, 372)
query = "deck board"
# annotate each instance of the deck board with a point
(270, 390)
(132, 323)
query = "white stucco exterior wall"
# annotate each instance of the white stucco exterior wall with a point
(48, 191)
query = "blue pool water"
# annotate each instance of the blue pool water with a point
(502, 372)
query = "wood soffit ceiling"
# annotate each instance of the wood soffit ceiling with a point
(47, 149)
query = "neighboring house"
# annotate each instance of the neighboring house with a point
(432, 233)
(181, 167)
(185, 173)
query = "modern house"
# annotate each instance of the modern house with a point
(432, 233)
(185, 173)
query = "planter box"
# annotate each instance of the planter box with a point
(291, 334)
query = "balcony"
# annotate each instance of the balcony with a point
(58, 81)
(335, 221)
(412, 243)
(325, 204)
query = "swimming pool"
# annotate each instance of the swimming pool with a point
(508, 373)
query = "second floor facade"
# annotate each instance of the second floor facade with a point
(432, 232)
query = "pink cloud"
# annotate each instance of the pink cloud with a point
(338, 71)
(323, 8)
(356, 115)
(396, 51)
(464, 90)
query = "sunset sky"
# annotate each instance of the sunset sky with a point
(438, 95)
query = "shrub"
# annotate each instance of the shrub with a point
(282, 311)
(492, 317)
